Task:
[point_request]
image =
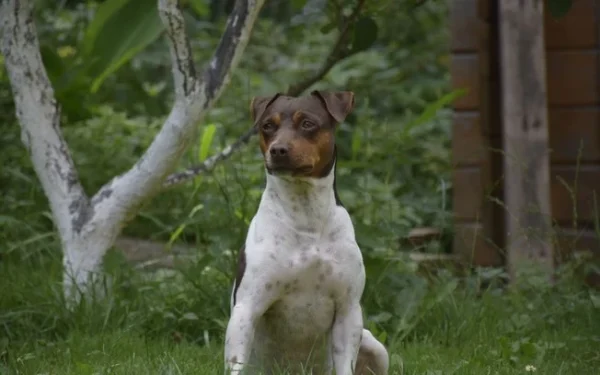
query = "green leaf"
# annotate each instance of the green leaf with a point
(365, 34)
(189, 316)
(328, 27)
(431, 109)
(120, 29)
(298, 4)
(195, 209)
(206, 141)
(559, 8)
(175, 235)
(52, 62)
(200, 7)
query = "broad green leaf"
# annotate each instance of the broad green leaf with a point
(559, 8)
(120, 29)
(365, 34)
(52, 62)
(206, 141)
(434, 107)
(200, 7)
(103, 13)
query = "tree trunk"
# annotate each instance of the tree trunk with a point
(87, 226)
(82, 262)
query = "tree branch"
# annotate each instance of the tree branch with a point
(184, 71)
(88, 228)
(119, 198)
(38, 114)
(337, 54)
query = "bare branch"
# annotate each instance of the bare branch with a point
(208, 164)
(337, 54)
(119, 198)
(39, 117)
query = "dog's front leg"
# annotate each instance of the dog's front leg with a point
(347, 331)
(239, 337)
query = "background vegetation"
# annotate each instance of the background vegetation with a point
(393, 176)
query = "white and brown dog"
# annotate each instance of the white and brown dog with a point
(295, 304)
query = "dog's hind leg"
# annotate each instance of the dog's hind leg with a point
(372, 357)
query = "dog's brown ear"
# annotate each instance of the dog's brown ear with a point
(339, 104)
(259, 104)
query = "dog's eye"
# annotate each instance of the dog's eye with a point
(268, 126)
(308, 125)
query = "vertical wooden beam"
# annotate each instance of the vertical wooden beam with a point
(524, 115)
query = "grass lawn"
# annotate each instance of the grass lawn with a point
(563, 351)
(450, 330)
(477, 338)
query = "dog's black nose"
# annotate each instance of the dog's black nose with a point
(278, 151)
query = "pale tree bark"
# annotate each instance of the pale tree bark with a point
(89, 226)
(338, 52)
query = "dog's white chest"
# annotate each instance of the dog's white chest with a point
(310, 273)
(302, 267)
(310, 279)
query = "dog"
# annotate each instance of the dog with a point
(295, 301)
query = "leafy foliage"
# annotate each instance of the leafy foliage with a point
(394, 148)
(393, 173)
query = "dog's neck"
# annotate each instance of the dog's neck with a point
(302, 203)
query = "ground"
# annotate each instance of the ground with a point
(126, 353)
(543, 332)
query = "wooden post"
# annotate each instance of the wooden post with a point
(524, 115)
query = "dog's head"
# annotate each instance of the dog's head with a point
(297, 134)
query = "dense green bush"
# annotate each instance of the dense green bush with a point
(393, 170)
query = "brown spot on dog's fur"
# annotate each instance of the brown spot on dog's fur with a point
(297, 117)
(276, 118)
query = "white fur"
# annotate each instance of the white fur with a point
(299, 297)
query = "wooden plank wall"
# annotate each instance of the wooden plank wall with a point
(573, 79)
(573, 73)
(476, 133)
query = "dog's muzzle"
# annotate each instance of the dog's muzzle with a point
(279, 162)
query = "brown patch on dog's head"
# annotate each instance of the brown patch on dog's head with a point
(297, 134)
